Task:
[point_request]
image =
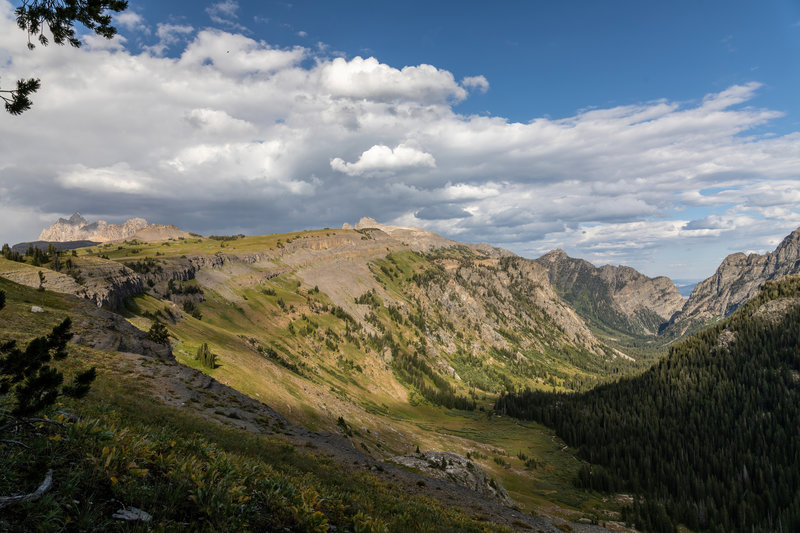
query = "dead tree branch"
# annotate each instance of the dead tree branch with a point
(5, 501)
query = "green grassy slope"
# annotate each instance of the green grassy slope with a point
(416, 335)
(120, 447)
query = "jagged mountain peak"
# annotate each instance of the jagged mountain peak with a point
(737, 279)
(554, 255)
(77, 228)
(789, 245)
(75, 220)
(367, 222)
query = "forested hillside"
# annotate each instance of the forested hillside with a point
(706, 438)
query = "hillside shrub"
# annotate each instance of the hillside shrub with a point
(158, 333)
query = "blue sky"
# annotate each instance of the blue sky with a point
(548, 58)
(659, 135)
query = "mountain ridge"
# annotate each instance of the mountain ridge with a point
(393, 337)
(737, 279)
(614, 297)
(77, 228)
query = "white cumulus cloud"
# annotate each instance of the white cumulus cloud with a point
(369, 79)
(476, 82)
(131, 20)
(168, 35)
(235, 54)
(381, 159)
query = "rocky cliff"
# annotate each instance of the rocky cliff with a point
(106, 283)
(615, 297)
(77, 228)
(737, 279)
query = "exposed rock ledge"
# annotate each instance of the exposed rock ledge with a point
(456, 468)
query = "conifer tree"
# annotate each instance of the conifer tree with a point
(206, 357)
(59, 17)
(158, 333)
(33, 383)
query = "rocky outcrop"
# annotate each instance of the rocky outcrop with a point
(458, 469)
(77, 228)
(103, 330)
(615, 297)
(774, 311)
(737, 279)
(419, 239)
(106, 283)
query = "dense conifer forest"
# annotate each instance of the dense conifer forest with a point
(708, 437)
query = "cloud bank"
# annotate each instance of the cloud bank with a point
(229, 133)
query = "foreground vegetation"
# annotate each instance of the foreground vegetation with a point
(707, 437)
(187, 472)
(118, 448)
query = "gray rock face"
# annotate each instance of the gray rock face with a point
(109, 284)
(458, 469)
(613, 296)
(77, 228)
(106, 283)
(775, 311)
(103, 330)
(737, 279)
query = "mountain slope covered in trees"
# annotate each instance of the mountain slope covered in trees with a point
(707, 437)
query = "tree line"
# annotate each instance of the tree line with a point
(707, 438)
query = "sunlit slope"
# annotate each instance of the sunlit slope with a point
(356, 329)
(157, 436)
(364, 319)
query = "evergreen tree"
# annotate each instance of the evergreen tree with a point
(59, 17)
(33, 383)
(158, 333)
(206, 357)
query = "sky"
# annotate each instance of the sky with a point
(660, 135)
